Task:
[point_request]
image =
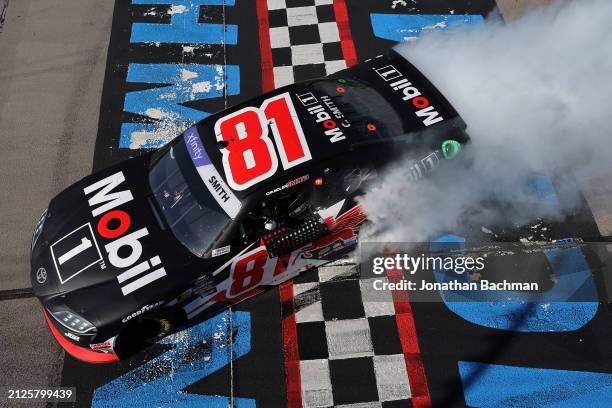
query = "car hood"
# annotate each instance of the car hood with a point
(99, 238)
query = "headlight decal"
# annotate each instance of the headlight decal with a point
(39, 227)
(72, 321)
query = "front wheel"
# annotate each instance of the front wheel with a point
(146, 331)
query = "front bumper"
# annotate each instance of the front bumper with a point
(78, 352)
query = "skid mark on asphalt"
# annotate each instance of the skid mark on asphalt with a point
(3, 8)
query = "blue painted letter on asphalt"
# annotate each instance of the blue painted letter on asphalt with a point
(493, 385)
(408, 27)
(158, 383)
(184, 83)
(568, 306)
(184, 27)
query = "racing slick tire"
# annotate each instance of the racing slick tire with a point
(147, 330)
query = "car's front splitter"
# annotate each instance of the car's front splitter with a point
(78, 352)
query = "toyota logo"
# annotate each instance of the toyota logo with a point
(41, 275)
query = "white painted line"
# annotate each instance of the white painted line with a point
(331, 67)
(329, 32)
(316, 383)
(313, 312)
(376, 302)
(307, 54)
(391, 377)
(276, 4)
(279, 37)
(283, 76)
(297, 16)
(348, 339)
(328, 273)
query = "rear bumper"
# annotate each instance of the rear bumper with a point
(78, 352)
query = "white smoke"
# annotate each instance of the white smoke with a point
(535, 94)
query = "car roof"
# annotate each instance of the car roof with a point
(324, 141)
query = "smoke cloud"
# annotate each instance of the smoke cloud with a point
(535, 94)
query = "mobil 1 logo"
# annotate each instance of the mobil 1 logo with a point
(388, 73)
(75, 252)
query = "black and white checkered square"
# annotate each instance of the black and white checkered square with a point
(350, 354)
(305, 40)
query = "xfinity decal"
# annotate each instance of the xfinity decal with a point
(211, 177)
(106, 201)
(196, 149)
(399, 83)
(142, 310)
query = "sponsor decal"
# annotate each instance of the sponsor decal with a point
(218, 186)
(221, 251)
(399, 83)
(107, 345)
(125, 249)
(41, 275)
(322, 116)
(72, 336)
(196, 148)
(289, 184)
(307, 99)
(388, 73)
(141, 311)
(75, 253)
(335, 111)
(418, 169)
(209, 174)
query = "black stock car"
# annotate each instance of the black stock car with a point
(243, 200)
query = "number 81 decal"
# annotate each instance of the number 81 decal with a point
(249, 156)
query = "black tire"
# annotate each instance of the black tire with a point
(146, 330)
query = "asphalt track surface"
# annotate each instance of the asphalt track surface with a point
(51, 76)
(296, 345)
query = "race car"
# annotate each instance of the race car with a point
(242, 201)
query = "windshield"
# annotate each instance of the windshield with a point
(193, 215)
(362, 106)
